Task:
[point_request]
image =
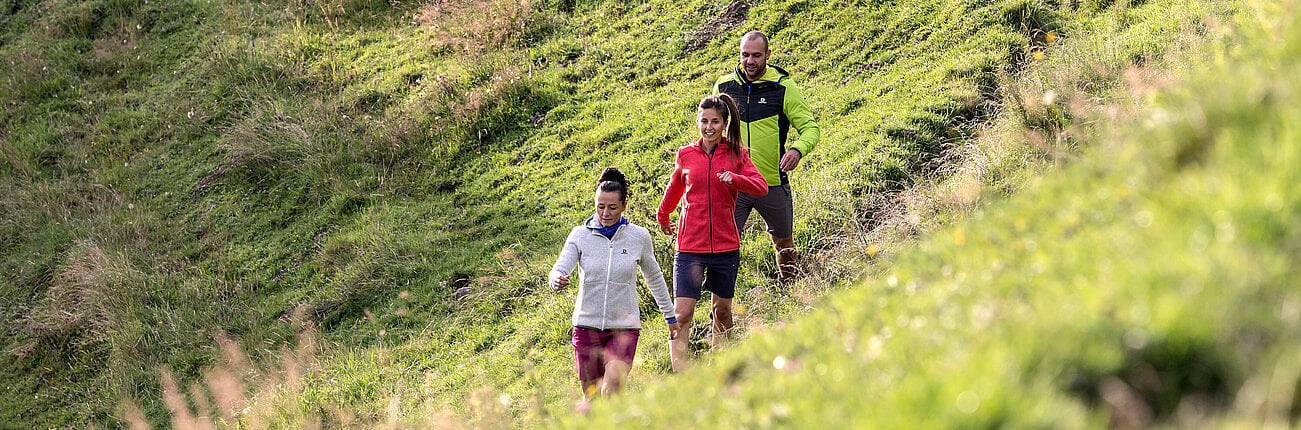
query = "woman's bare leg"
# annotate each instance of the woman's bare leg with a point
(722, 324)
(591, 388)
(615, 373)
(679, 349)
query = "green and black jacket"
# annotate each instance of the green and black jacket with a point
(769, 107)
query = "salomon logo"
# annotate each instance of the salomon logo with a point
(763, 100)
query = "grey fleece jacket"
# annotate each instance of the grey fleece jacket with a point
(607, 269)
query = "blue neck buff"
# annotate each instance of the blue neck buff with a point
(608, 232)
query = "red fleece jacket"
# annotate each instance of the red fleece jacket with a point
(706, 224)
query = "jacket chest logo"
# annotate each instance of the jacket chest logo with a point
(625, 251)
(763, 100)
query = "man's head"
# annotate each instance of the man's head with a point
(754, 54)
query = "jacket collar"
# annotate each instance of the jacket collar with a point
(771, 73)
(595, 226)
(723, 145)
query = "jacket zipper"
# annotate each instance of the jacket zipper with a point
(749, 90)
(605, 301)
(709, 196)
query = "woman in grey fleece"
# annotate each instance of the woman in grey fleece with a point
(608, 250)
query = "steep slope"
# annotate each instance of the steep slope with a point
(1150, 283)
(397, 176)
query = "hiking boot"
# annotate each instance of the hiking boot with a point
(786, 258)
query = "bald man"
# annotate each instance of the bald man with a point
(770, 105)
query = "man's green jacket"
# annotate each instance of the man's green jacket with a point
(769, 107)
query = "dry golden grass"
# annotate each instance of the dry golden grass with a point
(225, 400)
(267, 137)
(236, 393)
(461, 107)
(475, 26)
(81, 301)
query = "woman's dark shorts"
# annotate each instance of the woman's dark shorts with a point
(716, 273)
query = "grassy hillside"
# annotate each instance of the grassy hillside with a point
(1151, 282)
(397, 176)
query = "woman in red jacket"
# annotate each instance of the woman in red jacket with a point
(707, 174)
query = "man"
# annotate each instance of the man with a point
(770, 104)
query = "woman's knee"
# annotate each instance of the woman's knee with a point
(721, 307)
(685, 308)
(615, 372)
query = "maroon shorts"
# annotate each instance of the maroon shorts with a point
(593, 348)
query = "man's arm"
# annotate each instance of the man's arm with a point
(801, 117)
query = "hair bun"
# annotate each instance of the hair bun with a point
(612, 180)
(612, 174)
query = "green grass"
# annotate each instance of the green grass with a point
(1150, 280)
(176, 172)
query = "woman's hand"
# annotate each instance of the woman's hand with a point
(561, 283)
(674, 328)
(667, 229)
(726, 177)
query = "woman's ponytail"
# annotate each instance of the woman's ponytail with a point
(612, 180)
